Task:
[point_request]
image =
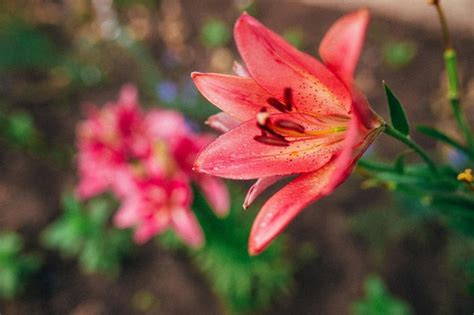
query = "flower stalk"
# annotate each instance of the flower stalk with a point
(389, 130)
(450, 63)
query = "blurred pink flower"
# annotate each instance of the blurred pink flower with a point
(107, 142)
(145, 159)
(286, 113)
(159, 203)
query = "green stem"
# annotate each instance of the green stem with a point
(375, 166)
(389, 130)
(444, 25)
(450, 63)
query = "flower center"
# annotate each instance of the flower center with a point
(281, 132)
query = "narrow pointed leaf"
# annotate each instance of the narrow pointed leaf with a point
(398, 116)
(399, 164)
(441, 136)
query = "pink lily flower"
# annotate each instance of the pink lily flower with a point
(183, 146)
(107, 141)
(145, 159)
(286, 113)
(158, 204)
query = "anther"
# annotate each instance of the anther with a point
(288, 95)
(289, 125)
(271, 141)
(265, 128)
(264, 124)
(277, 104)
(262, 117)
(466, 176)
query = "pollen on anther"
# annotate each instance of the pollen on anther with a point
(271, 141)
(288, 95)
(289, 125)
(262, 117)
(277, 104)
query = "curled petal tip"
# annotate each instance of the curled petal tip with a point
(244, 14)
(252, 251)
(195, 74)
(198, 167)
(244, 18)
(363, 12)
(222, 122)
(248, 199)
(255, 249)
(258, 243)
(360, 15)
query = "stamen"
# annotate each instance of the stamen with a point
(288, 95)
(277, 104)
(289, 125)
(265, 128)
(262, 117)
(264, 124)
(271, 141)
(466, 176)
(326, 131)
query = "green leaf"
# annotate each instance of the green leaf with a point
(295, 37)
(378, 301)
(71, 203)
(399, 164)
(16, 267)
(441, 136)
(398, 54)
(398, 116)
(10, 243)
(215, 33)
(246, 284)
(24, 47)
(21, 128)
(84, 231)
(99, 212)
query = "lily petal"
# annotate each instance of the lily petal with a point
(216, 194)
(286, 204)
(260, 186)
(128, 214)
(237, 155)
(362, 109)
(276, 66)
(222, 122)
(90, 186)
(128, 96)
(358, 139)
(240, 97)
(341, 46)
(240, 70)
(165, 124)
(187, 226)
(148, 229)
